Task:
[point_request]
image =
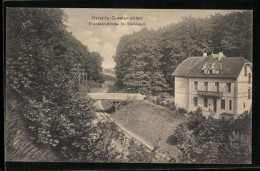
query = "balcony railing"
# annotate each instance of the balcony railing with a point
(210, 93)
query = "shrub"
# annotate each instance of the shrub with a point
(196, 118)
(182, 110)
(213, 140)
(181, 134)
(236, 150)
(171, 106)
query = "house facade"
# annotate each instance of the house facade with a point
(217, 84)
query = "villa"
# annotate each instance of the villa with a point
(220, 85)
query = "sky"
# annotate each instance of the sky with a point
(104, 39)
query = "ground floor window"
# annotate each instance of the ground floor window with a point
(205, 102)
(222, 104)
(195, 101)
(230, 104)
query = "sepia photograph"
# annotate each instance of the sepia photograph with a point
(128, 85)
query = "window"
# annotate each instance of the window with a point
(206, 86)
(230, 104)
(222, 104)
(229, 87)
(245, 71)
(249, 93)
(196, 85)
(195, 101)
(244, 105)
(205, 102)
(249, 77)
(214, 69)
(217, 86)
(206, 71)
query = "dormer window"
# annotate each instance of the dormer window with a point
(206, 68)
(214, 69)
(206, 71)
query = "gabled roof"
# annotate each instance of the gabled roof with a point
(206, 66)
(192, 67)
(217, 66)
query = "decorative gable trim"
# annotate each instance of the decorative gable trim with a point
(214, 69)
(206, 68)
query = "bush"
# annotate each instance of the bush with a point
(182, 110)
(211, 140)
(171, 106)
(196, 119)
(237, 149)
(181, 134)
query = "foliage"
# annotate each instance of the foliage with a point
(181, 133)
(145, 60)
(108, 78)
(236, 150)
(138, 67)
(182, 110)
(210, 140)
(40, 53)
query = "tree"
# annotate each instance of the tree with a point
(233, 33)
(40, 55)
(163, 50)
(138, 64)
(214, 141)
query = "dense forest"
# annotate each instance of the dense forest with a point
(48, 116)
(45, 116)
(145, 60)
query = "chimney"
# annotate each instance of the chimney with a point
(205, 54)
(220, 55)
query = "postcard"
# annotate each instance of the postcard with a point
(128, 85)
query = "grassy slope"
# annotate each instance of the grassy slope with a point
(151, 122)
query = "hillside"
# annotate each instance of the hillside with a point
(40, 57)
(153, 123)
(145, 60)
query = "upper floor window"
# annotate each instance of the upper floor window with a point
(206, 86)
(217, 86)
(230, 104)
(249, 93)
(205, 102)
(245, 71)
(196, 85)
(222, 104)
(195, 101)
(229, 87)
(249, 77)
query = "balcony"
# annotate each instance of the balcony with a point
(210, 93)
